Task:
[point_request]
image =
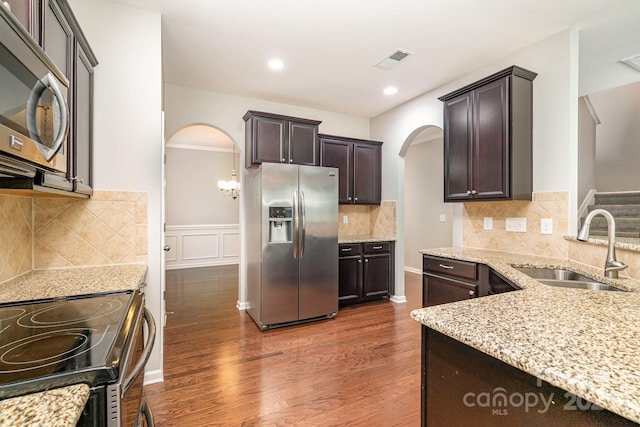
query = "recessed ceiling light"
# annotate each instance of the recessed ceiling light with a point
(275, 64)
(391, 90)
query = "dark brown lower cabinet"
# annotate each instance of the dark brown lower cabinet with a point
(365, 272)
(462, 386)
(445, 280)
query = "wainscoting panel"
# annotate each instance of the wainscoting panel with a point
(202, 245)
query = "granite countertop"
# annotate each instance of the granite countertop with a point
(58, 283)
(60, 407)
(63, 406)
(585, 342)
(364, 239)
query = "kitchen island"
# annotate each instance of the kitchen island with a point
(62, 406)
(586, 343)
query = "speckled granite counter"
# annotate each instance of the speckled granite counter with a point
(585, 342)
(364, 239)
(53, 408)
(72, 281)
(60, 407)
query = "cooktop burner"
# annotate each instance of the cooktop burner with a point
(43, 340)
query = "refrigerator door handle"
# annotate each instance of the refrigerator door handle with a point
(303, 223)
(296, 231)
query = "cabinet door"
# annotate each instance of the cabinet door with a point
(27, 13)
(349, 282)
(303, 144)
(490, 142)
(337, 154)
(458, 157)
(82, 123)
(58, 38)
(268, 140)
(376, 275)
(439, 290)
(366, 173)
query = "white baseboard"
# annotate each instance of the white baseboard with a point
(242, 305)
(412, 270)
(153, 377)
(398, 299)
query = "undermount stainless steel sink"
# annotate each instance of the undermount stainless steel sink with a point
(565, 279)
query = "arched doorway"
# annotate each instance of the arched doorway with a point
(202, 224)
(427, 219)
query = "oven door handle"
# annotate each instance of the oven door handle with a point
(151, 324)
(147, 414)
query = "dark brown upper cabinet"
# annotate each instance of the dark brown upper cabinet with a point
(273, 138)
(488, 138)
(360, 164)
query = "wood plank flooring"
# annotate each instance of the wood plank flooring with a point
(360, 369)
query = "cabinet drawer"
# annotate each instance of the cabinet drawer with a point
(350, 249)
(450, 267)
(438, 290)
(376, 247)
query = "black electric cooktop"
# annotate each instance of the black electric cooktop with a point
(52, 343)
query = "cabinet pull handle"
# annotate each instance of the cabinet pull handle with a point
(345, 249)
(377, 247)
(446, 267)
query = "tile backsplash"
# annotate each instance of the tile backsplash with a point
(43, 232)
(16, 236)
(368, 220)
(553, 205)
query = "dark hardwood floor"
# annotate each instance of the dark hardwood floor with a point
(360, 369)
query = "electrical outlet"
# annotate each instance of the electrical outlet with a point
(546, 226)
(345, 219)
(516, 225)
(488, 223)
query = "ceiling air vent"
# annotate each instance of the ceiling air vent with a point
(394, 59)
(632, 61)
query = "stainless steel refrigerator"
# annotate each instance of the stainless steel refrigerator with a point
(291, 237)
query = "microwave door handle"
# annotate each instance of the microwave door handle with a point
(151, 324)
(50, 82)
(303, 223)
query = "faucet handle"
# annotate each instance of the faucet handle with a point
(612, 267)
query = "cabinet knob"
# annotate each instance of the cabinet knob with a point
(360, 261)
(366, 260)
(356, 199)
(290, 160)
(349, 198)
(282, 161)
(474, 192)
(472, 293)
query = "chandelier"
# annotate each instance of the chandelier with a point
(231, 187)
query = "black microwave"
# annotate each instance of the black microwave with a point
(34, 114)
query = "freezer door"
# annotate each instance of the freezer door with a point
(318, 191)
(279, 264)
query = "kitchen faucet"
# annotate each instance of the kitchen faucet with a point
(612, 265)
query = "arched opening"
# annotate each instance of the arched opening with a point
(427, 219)
(202, 223)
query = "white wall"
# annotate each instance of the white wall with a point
(617, 148)
(192, 194)
(586, 150)
(424, 188)
(127, 128)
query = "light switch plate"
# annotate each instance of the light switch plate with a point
(546, 226)
(488, 223)
(443, 217)
(345, 219)
(516, 225)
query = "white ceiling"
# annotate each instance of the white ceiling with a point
(330, 47)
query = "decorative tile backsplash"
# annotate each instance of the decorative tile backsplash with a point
(109, 228)
(544, 205)
(51, 232)
(595, 255)
(366, 220)
(16, 234)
